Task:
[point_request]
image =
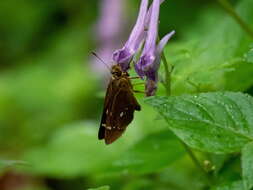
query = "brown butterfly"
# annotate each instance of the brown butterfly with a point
(119, 106)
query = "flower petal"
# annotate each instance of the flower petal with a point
(124, 56)
(138, 69)
(150, 43)
(138, 30)
(147, 19)
(163, 42)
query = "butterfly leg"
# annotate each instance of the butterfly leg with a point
(140, 83)
(138, 91)
(134, 78)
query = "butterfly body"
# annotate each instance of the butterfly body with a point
(119, 106)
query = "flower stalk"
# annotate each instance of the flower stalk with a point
(167, 84)
(167, 77)
(230, 10)
(196, 162)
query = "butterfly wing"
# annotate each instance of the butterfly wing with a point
(122, 113)
(107, 104)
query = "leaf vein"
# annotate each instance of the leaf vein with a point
(207, 122)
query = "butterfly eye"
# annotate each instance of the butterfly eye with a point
(115, 73)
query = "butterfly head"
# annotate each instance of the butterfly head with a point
(116, 71)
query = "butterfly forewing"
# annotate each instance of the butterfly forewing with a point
(107, 104)
(119, 108)
(123, 107)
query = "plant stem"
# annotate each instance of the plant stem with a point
(167, 69)
(197, 163)
(167, 84)
(230, 10)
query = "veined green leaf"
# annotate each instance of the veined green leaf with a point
(213, 60)
(220, 122)
(237, 185)
(249, 55)
(247, 166)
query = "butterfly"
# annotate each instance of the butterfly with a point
(119, 106)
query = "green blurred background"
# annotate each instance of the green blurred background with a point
(51, 99)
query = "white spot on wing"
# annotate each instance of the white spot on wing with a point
(108, 127)
(121, 114)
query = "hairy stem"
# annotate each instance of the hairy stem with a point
(230, 10)
(167, 77)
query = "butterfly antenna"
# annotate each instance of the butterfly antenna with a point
(107, 66)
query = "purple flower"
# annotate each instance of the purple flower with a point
(124, 56)
(149, 62)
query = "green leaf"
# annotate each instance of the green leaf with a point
(152, 153)
(213, 60)
(10, 163)
(237, 185)
(83, 153)
(218, 122)
(73, 151)
(247, 165)
(249, 55)
(106, 187)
